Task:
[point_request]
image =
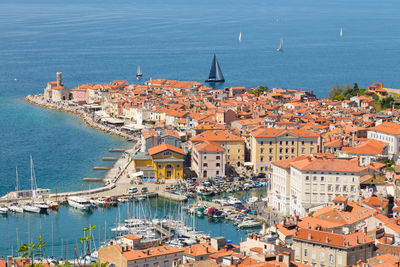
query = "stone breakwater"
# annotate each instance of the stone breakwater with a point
(63, 106)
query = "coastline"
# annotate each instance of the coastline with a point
(38, 100)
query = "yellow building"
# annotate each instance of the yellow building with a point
(160, 162)
(270, 144)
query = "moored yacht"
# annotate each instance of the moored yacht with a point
(79, 203)
(3, 210)
(15, 208)
(30, 208)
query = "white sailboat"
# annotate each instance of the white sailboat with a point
(280, 48)
(139, 73)
(37, 204)
(14, 207)
(240, 36)
(341, 32)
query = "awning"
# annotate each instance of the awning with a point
(248, 164)
(137, 174)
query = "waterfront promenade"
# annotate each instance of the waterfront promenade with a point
(118, 179)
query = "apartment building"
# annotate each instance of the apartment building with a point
(208, 160)
(387, 132)
(318, 248)
(270, 144)
(317, 180)
(280, 184)
(233, 145)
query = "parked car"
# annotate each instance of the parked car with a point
(132, 190)
(261, 175)
(144, 190)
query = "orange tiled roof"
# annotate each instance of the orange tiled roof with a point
(163, 147)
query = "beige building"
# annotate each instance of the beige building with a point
(56, 91)
(270, 144)
(233, 145)
(318, 248)
(125, 256)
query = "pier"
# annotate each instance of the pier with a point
(93, 179)
(116, 150)
(110, 159)
(101, 168)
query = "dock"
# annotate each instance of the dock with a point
(116, 150)
(171, 196)
(101, 168)
(93, 179)
(110, 159)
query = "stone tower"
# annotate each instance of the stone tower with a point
(59, 79)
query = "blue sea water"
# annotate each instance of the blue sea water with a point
(100, 41)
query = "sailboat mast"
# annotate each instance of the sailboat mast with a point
(17, 182)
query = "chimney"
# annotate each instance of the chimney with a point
(365, 230)
(148, 252)
(207, 249)
(231, 260)
(309, 236)
(357, 240)
(190, 250)
(111, 243)
(327, 239)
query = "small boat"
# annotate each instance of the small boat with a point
(16, 209)
(79, 203)
(341, 32)
(280, 48)
(139, 73)
(215, 72)
(53, 205)
(30, 208)
(240, 37)
(249, 224)
(16, 79)
(41, 205)
(3, 210)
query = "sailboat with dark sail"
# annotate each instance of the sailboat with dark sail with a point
(215, 72)
(139, 73)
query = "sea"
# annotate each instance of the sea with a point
(99, 41)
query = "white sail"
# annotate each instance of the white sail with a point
(240, 36)
(341, 32)
(33, 180)
(17, 181)
(139, 71)
(280, 48)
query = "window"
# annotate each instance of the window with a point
(307, 187)
(262, 143)
(166, 263)
(287, 150)
(339, 259)
(218, 157)
(217, 165)
(344, 188)
(322, 187)
(352, 188)
(313, 254)
(262, 150)
(314, 187)
(270, 158)
(303, 150)
(287, 142)
(155, 264)
(292, 142)
(238, 150)
(353, 259)
(205, 164)
(314, 178)
(302, 142)
(217, 172)
(331, 258)
(292, 150)
(329, 187)
(280, 150)
(307, 178)
(270, 150)
(337, 179)
(311, 150)
(205, 157)
(270, 143)
(261, 158)
(305, 252)
(337, 188)
(280, 142)
(322, 256)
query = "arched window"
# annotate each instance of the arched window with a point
(169, 166)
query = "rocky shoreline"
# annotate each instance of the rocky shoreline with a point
(39, 100)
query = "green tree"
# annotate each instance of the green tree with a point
(355, 87)
(335, 90)
(29, 250)
(259, 90)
